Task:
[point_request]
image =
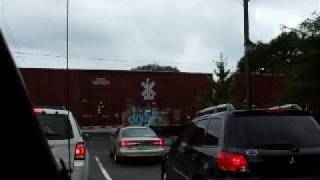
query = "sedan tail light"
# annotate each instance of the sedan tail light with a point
(80, 151)
(125, 143)
(232, 162)
(159, 142)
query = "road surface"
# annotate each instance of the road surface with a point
(102, 167)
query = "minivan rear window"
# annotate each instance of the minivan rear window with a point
(255, 131)
(55, 126)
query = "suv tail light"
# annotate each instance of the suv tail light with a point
(159, 142)
(80, 151)
(232, 162)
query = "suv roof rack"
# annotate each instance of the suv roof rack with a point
(216, 109)
(288, 107)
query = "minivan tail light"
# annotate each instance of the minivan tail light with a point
(159, 142)
(80, 151)
(232, 162)
(38, 111)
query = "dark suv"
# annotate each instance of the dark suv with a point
(243, 144)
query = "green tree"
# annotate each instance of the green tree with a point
(156, 68)
(221, 87)
(294, 55)
(303, 74)
(272, 57)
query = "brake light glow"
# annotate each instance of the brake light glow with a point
(38, 111)
(124, 143)
(232, 162)
(159, 142)
(80, 152)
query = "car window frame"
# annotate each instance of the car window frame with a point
(189, 135)
(220, 138)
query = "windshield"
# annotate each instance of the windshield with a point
(147, 70)
(265, 131)
(137, 132)
(55, 126)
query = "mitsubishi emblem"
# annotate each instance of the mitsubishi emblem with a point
(292, 161)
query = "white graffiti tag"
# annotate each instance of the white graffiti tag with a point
(148, 93)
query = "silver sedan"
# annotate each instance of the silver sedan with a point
(135, 141)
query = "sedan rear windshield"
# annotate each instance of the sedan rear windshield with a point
(257, 131)
(137, 132)
(55, 126)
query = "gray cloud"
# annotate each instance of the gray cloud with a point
(126, 33)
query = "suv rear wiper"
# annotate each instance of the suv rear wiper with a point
(291, 147)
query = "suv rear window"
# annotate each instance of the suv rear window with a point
(55, 126)
(254, 131)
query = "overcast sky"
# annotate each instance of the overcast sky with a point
(121, 34)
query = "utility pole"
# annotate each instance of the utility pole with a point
(248, 49)
(68, 86)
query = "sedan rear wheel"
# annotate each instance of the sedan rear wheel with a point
(111, 154)
(116, 158)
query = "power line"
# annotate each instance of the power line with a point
(8, 28)
(127, 61)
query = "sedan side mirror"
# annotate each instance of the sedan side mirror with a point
(173, 140)
(183, 144)
(85, 135)
(114, 131)
(170, 141)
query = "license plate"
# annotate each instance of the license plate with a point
(141, 148)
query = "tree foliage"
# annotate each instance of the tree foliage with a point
(221, 87)
(295, 56)
(156, 68)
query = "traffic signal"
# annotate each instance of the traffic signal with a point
(154, 104)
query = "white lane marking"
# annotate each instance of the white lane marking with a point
(181, 173)
(103, 170)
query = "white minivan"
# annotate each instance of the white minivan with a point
(65, 140)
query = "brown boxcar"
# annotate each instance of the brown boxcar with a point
(102, 97)
(267, 90)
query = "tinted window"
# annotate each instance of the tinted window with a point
(137, 132)
(220, 109)
(213, 132)
(198, 132)
(300, 131)
(55, 126)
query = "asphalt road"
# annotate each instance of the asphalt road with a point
(102, 167)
